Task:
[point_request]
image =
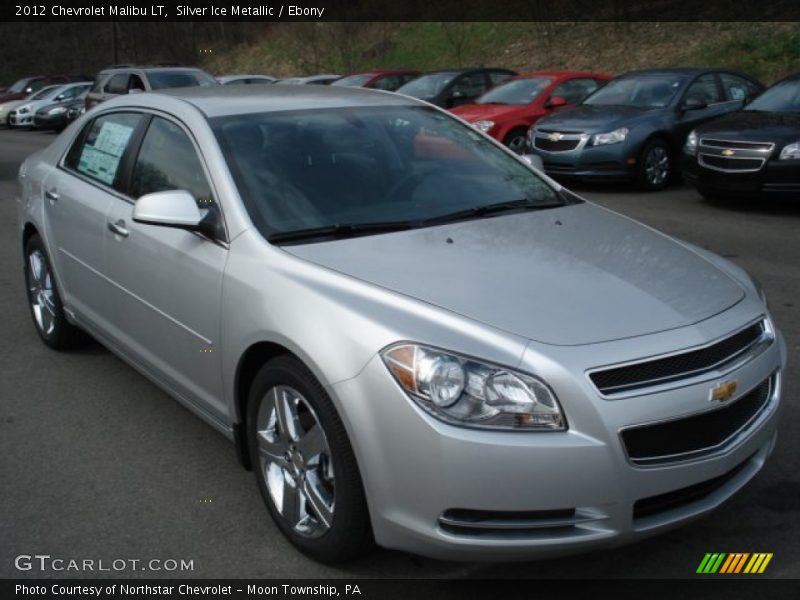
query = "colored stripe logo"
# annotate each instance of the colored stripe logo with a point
(734, 563)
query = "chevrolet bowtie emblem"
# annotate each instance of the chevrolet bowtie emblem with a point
(722, 392)
(728, 152)
(555, 136)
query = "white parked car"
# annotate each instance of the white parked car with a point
(22, 115)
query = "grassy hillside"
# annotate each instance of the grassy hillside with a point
(765, 50)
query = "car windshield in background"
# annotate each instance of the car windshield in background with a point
(45, 93)
(160, 80)
(398, 166)
(516, 91)
(18, 86)
(353, 80)
(647, 91)
(782, 97)
(428, 86)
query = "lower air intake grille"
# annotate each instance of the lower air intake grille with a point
(689, 437)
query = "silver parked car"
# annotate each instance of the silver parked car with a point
(409, 333)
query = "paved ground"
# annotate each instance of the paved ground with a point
(96, 463)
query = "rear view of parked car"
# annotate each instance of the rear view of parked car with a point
(753, 153)
(634, 128)
(507, 111)
(133, 79)
(454, 87)
(246, 79)
(322, 79)
(388, 80)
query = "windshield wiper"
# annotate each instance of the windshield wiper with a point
(489, 209)
(338, 231)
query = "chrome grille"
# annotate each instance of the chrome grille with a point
(559, 141)
(733, 156)
(682, 365)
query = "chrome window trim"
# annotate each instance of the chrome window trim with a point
(703, 163)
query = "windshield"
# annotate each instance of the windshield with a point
(300, 170)
(516, 91)
(354, 80)
(19, 86)
(160, 80)
(781, 97)
(46, 93)
(640, 91)
(428, 86)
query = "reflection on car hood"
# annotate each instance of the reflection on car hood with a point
(594, 119)
(572, 275)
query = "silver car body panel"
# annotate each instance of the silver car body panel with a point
(184, 311)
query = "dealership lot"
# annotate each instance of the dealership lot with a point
(98, 464)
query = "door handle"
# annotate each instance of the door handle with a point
(51, 195)
(118, 228)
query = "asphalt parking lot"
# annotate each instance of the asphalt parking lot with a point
(97, 463)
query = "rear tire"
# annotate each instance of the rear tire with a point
(44, 300)
(304, 464)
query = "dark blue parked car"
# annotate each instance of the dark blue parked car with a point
(633, 128)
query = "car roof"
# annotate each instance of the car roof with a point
(216, 101)
(149, 68)
(560, 74)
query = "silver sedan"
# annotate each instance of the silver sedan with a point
(410, 334)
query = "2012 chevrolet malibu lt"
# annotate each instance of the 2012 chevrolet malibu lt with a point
(410, 334)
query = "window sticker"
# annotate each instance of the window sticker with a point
(101, 160)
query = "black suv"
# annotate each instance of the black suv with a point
(453, 87)
(754, 152)
(127, 79)
(634, 127)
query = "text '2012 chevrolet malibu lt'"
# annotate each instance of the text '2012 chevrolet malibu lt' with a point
(409, 333)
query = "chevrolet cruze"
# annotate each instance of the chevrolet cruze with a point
(410, 335)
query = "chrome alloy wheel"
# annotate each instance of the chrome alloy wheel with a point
(656, 166)
(295, 461)
(41, 293)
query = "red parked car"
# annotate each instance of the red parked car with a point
(379, 79)
(507, 111)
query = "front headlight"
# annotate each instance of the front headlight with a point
(58, 110)
(613, 137)
(464, 391)
(691, 144)
(790, 152)
(483, 126)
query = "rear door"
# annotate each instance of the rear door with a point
(168, 281)
(78, 196)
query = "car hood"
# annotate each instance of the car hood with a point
(594, 119)
(747, 125)
(492, 112)
(567, 276)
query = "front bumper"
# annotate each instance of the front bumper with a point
(50, 121)
(17, 120)
(777, 178)
(543, 494)
(611, 162)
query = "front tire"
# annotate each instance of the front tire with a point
(44, 300)
(517, 141)
(654, 165)
(304, 464)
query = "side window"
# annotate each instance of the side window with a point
(469, 86)
(168, 161)
(738, 88)
(118, 84)
(136, 83)
(496, 77)
(390, 83)
(575, 90)
(97, 152)
(705, 89)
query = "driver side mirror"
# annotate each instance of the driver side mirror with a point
(693, 103)
(556, 102)
(174, 208)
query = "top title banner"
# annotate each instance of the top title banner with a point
(405, 10)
